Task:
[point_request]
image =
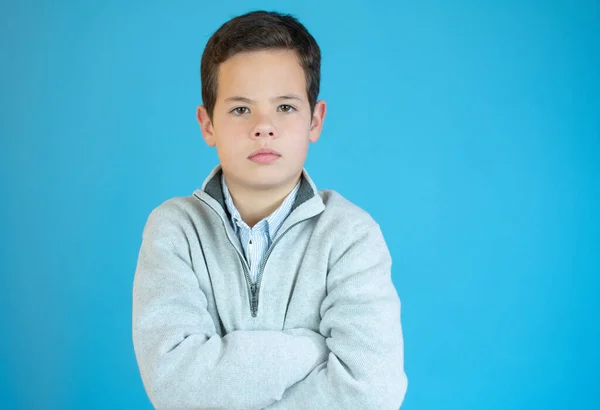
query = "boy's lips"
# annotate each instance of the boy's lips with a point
(264, 156)
(265, 151)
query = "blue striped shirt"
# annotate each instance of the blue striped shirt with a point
(256, 240)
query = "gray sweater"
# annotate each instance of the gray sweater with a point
(318, 329)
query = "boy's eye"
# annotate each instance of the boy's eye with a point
(240, 110)
(286, 108)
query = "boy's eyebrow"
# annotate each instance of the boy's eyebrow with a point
(288, 97)
(239, 98)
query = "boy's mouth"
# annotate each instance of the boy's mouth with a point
(264, 156)
(264, 151)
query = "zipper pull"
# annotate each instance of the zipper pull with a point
(254, 305)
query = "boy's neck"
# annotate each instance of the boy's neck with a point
(255, 205)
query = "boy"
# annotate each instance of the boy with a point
(260, 291)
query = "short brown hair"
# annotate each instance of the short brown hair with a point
(255, 31)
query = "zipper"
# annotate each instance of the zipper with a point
(262, 267)
(254, 287)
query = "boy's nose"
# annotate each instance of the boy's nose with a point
(258, 133)
(264, 128)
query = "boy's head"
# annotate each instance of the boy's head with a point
(260, 76)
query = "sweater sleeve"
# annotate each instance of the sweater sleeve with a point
(361, 323)
(183, 362)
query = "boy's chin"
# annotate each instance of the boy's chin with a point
(269, 178)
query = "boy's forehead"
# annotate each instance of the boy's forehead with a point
(261, 73)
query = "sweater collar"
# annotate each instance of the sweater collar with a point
(308, 202)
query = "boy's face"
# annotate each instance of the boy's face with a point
(262, 103)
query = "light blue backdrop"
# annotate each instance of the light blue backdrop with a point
(470, 131)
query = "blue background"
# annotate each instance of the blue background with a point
(469, 130)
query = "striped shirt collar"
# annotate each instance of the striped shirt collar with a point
(271, 223)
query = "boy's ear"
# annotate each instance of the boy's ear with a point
(206, 125)
(318, 117)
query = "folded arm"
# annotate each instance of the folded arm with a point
(183, 361)
(361, 323)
